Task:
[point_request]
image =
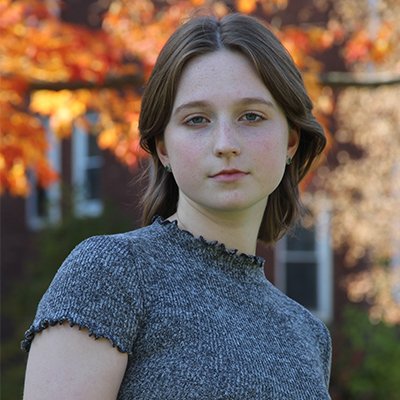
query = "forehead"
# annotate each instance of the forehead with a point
(220, 75)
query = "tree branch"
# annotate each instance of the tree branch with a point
(332, 79)
(110, 82)
(373, 79)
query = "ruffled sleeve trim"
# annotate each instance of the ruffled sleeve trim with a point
(44, 324)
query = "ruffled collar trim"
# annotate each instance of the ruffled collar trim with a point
(256, 261)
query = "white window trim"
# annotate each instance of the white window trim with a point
(80, 163)
(395, 261)
(34, 221)
(323, 256)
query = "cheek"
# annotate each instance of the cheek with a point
(183, 155)
(186, 162)
(270, 157)
(271, 149)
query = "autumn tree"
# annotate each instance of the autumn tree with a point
(363, 181)
(56, 70)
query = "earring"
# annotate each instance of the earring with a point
(168, 167)
(288, 160)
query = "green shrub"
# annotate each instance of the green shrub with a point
(366, 358)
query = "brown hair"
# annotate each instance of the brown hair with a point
(239, 33)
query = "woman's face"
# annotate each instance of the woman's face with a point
(227, 139)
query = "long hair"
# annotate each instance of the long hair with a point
(244, 34)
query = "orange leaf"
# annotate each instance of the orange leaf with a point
(246, 6)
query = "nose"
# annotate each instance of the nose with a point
(226, 142)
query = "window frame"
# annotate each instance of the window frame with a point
(81, 163)
(35, 221)
(322, 255)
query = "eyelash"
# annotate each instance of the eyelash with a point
(190, 121)
(258, 119)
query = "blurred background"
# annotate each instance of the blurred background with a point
(72, 75)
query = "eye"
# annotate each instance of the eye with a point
(252, 117)
(197, 120)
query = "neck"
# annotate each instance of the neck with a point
(236, 230)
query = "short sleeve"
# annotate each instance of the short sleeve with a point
(97, 287)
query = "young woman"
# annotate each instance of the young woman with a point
(181, 308)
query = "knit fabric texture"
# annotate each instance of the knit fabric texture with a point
(198, 321)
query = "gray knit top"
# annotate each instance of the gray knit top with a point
(197, 321)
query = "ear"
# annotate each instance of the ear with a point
(162, 151)
(293, 141)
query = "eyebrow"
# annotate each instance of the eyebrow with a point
(243, 102)
(256, 100)
(191, 104)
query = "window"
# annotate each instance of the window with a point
(43, 205)
(303, 267)
(87, 164)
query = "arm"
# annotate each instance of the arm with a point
(65, 363)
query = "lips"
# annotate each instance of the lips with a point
(229, 175)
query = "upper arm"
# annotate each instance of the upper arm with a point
(66, 363)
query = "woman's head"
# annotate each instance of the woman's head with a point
(251, 38)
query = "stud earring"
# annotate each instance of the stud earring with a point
(288, 160)
(168, 167)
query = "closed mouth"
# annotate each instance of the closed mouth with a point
(228, 172)
(231, 175)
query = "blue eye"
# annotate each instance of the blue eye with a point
(252, 117)
(196, 120)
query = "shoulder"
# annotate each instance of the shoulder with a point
(98, 286)
(304, 329)
(299, 318)
(116, 251)
(121, 242)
